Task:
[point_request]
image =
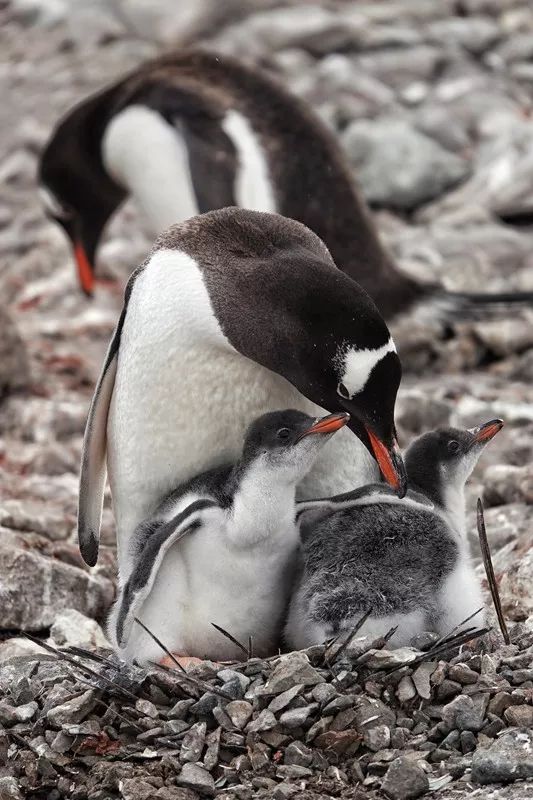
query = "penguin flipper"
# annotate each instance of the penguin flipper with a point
(148, 562)
(93, 463)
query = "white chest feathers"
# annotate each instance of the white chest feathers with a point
(183, 398)
(233, 571)
(148, 157)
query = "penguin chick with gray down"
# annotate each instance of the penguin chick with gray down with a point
(405, 561)
(220, 549)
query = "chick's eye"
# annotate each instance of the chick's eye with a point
(343, 391)
(283, 434)
(453, 446)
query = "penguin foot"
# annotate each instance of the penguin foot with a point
(184, 661)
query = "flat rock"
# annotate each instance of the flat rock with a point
(194, 776)
(508, 758)
(48, 587)
(292, 670)
(71, 628)
(73, 711)
(398, 166)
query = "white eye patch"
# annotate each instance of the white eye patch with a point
(51, 203)
(355, 366)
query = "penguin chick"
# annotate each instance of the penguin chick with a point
(220, 548)
(405, 560)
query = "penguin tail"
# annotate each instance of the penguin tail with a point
(479, 306)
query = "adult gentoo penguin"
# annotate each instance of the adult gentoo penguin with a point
(197, 131)
(234, 313)
(220, 549)
(407, 561)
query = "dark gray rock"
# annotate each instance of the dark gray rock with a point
(404, 779)
(194, 776)
(508, 758)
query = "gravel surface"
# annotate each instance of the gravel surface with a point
(433, 104)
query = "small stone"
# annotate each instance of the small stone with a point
(422, 678)
(264, 721)
(193, 743)
(75, 629)
(297, 753)
(73, 711)
(463, 713)
(212, 752)
(519, 716)
(405, 690)
(293, 771)
(292, 669)
(205, 705)
(448, 689)
(296, 717)
(338, 741)
(62, 742)
(135, 789)
(508, 758)
(194, 776)
(468, 742)
(180, 709)
(386, 659)
(285, 790)
(239, 712)
(282, 700)
(10, 715)
(229, 675)
(463, 674)
(259, 756)
(147, 709)
(9, 789)
(404, 779)
(323, 693)
(377, 738)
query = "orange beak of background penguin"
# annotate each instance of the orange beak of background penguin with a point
(85, 270)
(390, 463)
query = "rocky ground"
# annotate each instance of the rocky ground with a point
(433, 103)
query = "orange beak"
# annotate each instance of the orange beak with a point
(329, 424)
(85, 270)
(390, 463)
(487, 431)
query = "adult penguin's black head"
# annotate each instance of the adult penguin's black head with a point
(77, 192)
(281, 301)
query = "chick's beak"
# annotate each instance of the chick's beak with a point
(329, 424)
(390, 462)
(85, 270)
(486, 431)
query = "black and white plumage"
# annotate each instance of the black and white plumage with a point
(234, 313)
(195, 131)
(220, 549)
(406, 561)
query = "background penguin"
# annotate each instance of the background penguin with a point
(407, 561)
(221, 548)
(234, 314)
(197, 131)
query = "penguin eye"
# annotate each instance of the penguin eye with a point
(283, 434)
(453, 447)
(343, 391)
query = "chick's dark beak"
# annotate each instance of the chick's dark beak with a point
(487, 431)
(329, 424)
(390, 462)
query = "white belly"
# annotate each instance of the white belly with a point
(183, 399)
(203, 579)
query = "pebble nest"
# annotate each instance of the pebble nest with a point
(349, 719)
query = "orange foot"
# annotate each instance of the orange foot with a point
(184, 661)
